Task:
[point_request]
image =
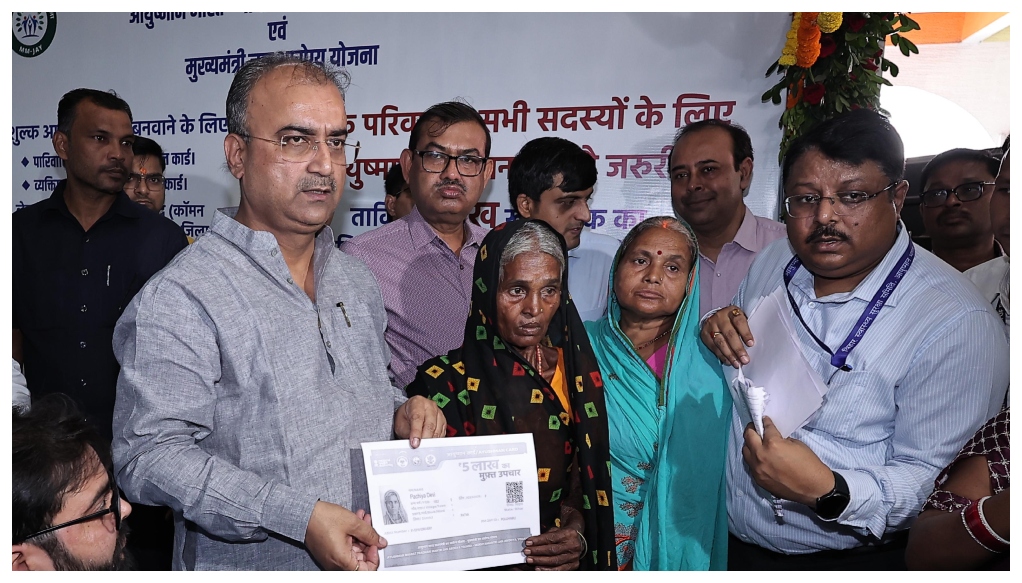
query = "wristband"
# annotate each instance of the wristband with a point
(974, 525)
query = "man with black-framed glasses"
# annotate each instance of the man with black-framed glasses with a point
(147, 182)
(912, 358)
(423, 262)
(955, 207)
(67, 512)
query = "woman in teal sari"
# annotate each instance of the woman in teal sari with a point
(668, 405)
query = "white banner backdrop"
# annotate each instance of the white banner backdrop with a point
(620, 85)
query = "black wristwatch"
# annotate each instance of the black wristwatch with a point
(833, 503)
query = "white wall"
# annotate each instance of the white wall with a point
(976, 77)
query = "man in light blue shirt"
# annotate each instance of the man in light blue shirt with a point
(552, 179)
(914, 361)
(589, 273)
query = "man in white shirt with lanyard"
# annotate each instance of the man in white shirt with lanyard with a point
(913, 357)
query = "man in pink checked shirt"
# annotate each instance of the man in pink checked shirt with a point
(423, 262)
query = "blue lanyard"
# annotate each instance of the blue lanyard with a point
(869, 315)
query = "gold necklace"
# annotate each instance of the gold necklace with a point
(539, 361)
(645, 344)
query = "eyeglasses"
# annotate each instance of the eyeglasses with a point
(299, 148)
(800, 206)
(967, 192)
(437, 162)
(154, 181)
(114, 508)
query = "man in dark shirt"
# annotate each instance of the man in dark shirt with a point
(958, 186)
(81, 255)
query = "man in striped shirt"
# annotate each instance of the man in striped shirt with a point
(913, 358)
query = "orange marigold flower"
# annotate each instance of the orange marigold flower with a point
(808, 41)
(794, 94)
(807, 58)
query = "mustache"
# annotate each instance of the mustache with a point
(317, 182)
(115, 166)
(452, 182)
(827, 231)
(952, 214)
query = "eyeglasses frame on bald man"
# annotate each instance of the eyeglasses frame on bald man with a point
(299, 148)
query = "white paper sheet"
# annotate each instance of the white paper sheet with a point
(453, 503)
(776, 363)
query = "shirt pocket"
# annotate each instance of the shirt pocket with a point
(858, 408)
(354, 343)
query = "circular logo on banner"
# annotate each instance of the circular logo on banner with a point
(33, 32)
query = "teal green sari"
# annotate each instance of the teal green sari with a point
(668, 443)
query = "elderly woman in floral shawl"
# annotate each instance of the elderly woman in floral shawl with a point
(525, 366)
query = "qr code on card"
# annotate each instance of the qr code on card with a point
(515, 492)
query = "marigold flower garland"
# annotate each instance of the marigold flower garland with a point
(803, 45)
(808, 40)
(829, 21)
(791, 45)
(833, 62)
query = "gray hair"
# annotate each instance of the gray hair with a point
(664, 222)
(532, 237)
(308, 72)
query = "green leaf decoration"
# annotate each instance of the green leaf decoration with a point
(848, 75)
